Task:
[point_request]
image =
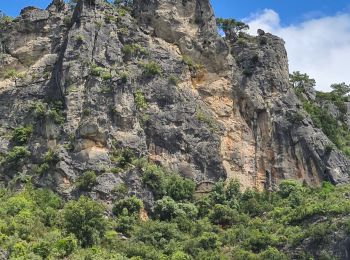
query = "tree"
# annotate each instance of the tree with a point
(87, 181)
(341, 89)
(180, 188)
(231, 26)
(4, 20)
(133, 205)
(299, 80)
(84, 218)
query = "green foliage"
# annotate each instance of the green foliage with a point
(207, 119)
(335, 128)
(133, 49)
(222, 215)
(180, 189)
(231, 224)
(153, 177)
(150, 68)
(55, 112)
(231, 25)
(124, 77)
(4, 21)
(299, 80)
(190, 63)
(133, 205)
(38, 109)
(174, 80)
(122, 157)
(140, 100)
(79, 38)
(84, 218)
(21, 135)
(17, 153)
(86, 181)
(167, 209)
(13, 75)
(101, 72)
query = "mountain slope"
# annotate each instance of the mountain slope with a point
(95, 84)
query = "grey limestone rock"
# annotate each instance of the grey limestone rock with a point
(209, 108)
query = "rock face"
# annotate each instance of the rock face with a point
(161, 82)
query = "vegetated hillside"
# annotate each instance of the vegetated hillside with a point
(141, 117)
(297, 222)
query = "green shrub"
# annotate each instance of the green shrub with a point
(180, 188)
(241, 42)
(38, 108)
(13, 75)
(51, 157)
(5, 21)
(133, 49)
(84, 218)
(150, 68)
(21, 135)
(157, 234)
(133, 205)
(223, 215)
(140, 100)
(86, 181)
(286, 187)
(106, 76)
(167, 209)
(66, 246)
(124, 77)
(153, 177)
(17, 153)
(55, 115)
(122, 157)
(79, 38)
(190, 63)
(97, 71)
(173, 80)
(262, 40)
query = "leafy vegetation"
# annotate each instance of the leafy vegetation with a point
(231, 26)
(150, 68)
(133, 49)
(4, 20)
(21, 135)
(140, 100)
(86, 181)
(13, 75)
(190, 63)
(224, 224)
(334, 127)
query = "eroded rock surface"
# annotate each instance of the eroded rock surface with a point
(215, 108)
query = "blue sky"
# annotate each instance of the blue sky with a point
(316, 32)
(289, 11)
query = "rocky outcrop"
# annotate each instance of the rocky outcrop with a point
(160, 81)
(190, 25)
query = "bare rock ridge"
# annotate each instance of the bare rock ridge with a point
(159, 80)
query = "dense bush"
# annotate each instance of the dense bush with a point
(133, 205)
(84, 218)
(17, 153)
(224, 224)
(333, 126)
(151, 68)
(21, 135)
(86, 181)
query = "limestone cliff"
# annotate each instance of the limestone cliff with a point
(159, 80)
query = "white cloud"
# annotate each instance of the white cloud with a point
(319, 47)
